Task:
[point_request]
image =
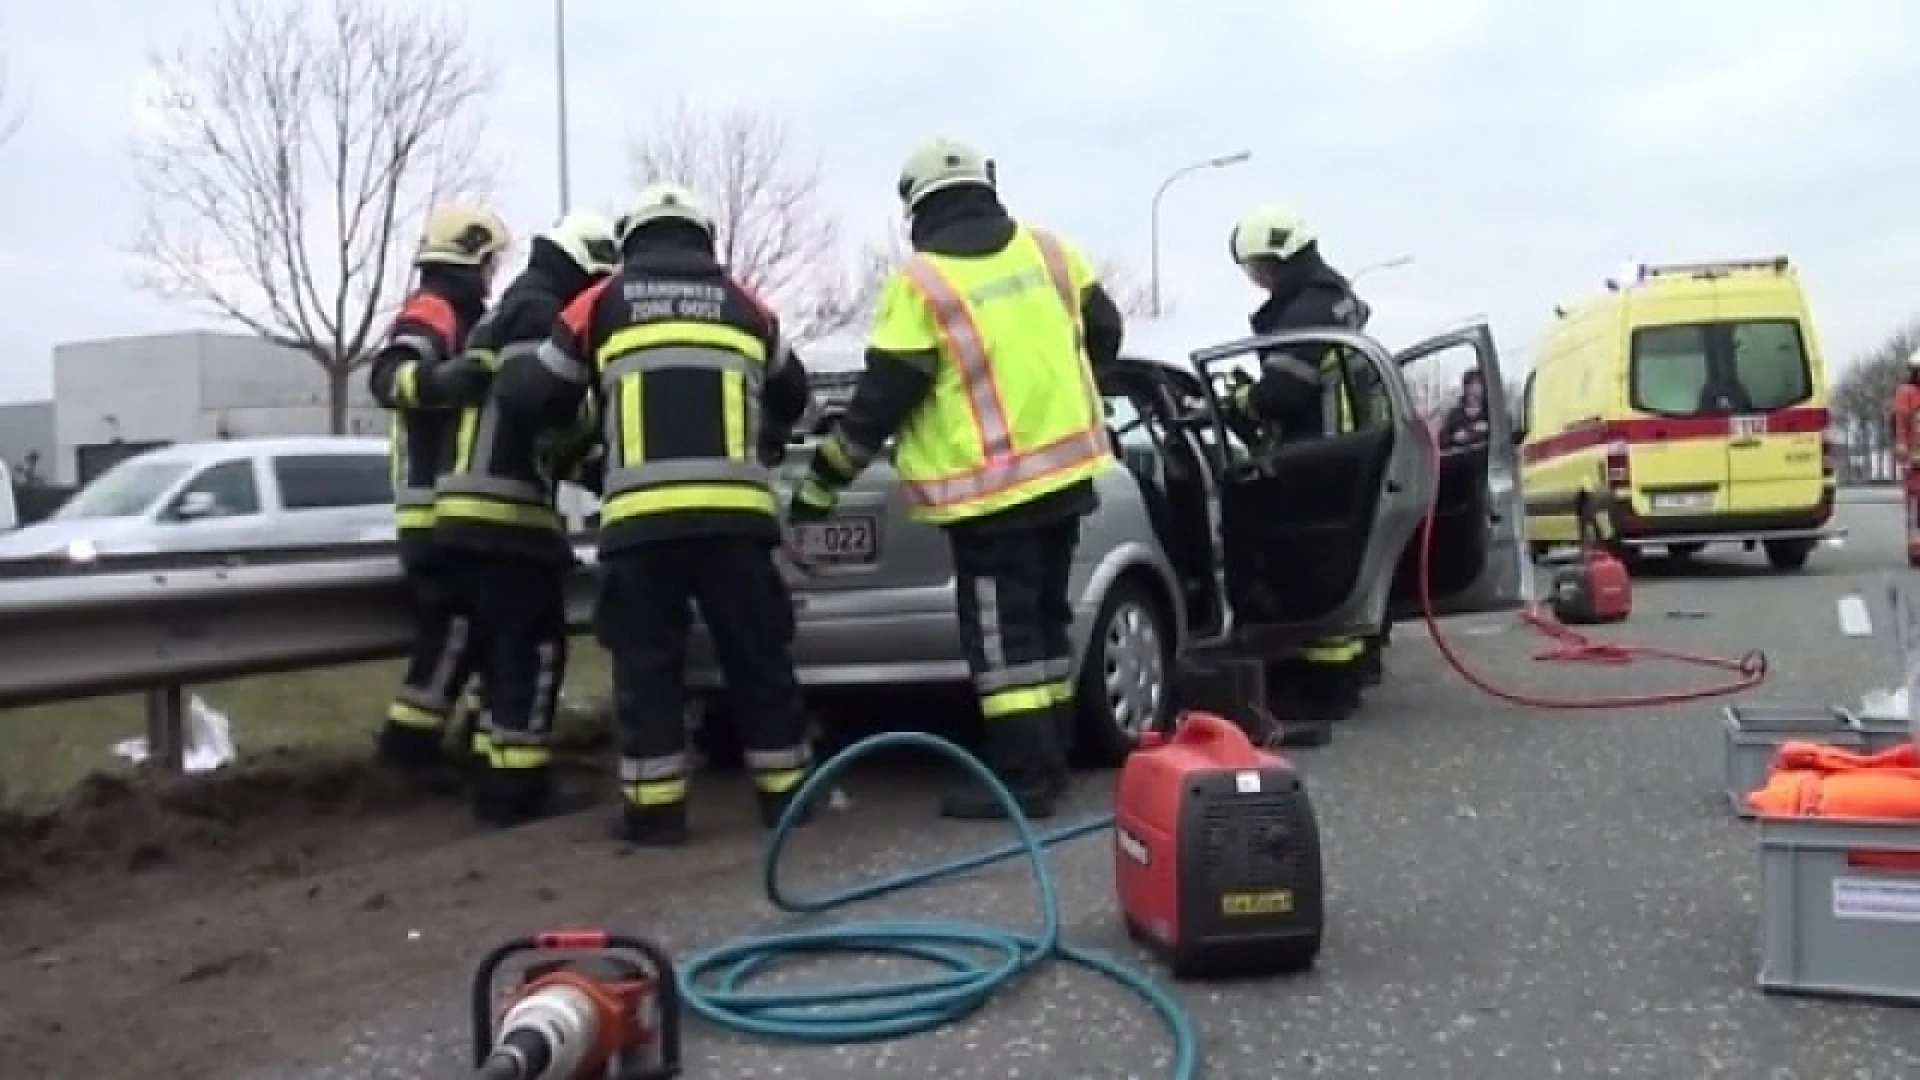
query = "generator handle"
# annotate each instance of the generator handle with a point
(666, 980)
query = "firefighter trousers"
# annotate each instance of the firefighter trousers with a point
(1016, 624)
(644, 617)
(519, 616)
(439, 665)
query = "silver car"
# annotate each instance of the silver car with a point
(1199, 548)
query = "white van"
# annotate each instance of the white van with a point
(229, 495)
(9, 510)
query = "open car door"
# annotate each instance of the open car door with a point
(1478, 561)
(1310, 531)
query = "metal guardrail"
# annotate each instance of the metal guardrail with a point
(157, 624)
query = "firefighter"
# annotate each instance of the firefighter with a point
(1905, 412)
(1304, 395)
(414, 375)
(978, 360)
(697, 389)
(503, 538)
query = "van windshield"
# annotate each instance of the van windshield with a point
(126, 490)
(1719, 368)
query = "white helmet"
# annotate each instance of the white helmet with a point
(1913, 361)
(939, 164)
(1273, 232)
(664, 202)
(462, 236)
(587, 239)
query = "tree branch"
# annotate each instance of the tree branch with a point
(292, 147)
(774, 229)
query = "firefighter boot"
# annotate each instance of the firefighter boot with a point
(504, 798)
(773, 804)
(418, 753)
(652, 826)
(1024, 752)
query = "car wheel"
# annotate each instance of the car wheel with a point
(1126, 682)
(1788, 554)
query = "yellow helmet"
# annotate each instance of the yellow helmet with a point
(462, 236)
(587, 239)
(1273, 232)
(939, 164)
(664, 202)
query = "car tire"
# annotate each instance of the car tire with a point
(1788, 555)
(1128, 670)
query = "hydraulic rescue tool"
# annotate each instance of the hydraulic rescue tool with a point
(589, 1005)
(1596, 589)
(1217, 853)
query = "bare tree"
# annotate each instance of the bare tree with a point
(1862, 397)
(292, 152)
(775, 228)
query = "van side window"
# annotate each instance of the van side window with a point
(332, 481)
(232, 486)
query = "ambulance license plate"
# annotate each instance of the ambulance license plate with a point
(839, 541)
(1690, 500)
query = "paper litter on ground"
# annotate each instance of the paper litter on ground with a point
(209, 736)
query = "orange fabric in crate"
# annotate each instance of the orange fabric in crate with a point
(1811, 780)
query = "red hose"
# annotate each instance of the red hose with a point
(1574, 647)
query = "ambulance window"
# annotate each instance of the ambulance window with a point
(1669, 370)
(1770, 364)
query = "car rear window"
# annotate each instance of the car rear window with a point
(1719, 368)
(333, 481)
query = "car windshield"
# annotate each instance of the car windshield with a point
(126, 490)
(1719, 368)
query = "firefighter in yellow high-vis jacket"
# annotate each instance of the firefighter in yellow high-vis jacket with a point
(979, 363)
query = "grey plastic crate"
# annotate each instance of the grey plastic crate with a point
(1830, 927)
(1754, 732)
(1882, 732)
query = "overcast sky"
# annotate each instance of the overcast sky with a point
(1518, 151)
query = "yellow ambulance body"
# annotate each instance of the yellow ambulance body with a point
(1685, 406)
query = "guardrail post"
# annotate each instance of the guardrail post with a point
(167, 728)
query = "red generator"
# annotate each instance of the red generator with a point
(1217, 853)
(1596, 589)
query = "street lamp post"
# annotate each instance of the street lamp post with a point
(1394, 263)
(560, 96)
(1153, 270)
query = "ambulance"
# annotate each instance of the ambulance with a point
(1683, 407)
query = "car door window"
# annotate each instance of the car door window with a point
(1476, 539)
(229, 488)
(333, 481)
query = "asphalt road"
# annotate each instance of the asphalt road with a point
(1516, 893)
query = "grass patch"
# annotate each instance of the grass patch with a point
(46, 750)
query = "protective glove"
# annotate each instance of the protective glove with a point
(811, 501)
(461, 379)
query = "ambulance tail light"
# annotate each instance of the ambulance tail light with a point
(1619, 467)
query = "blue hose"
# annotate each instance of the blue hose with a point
(973, 961)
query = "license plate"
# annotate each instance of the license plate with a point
(838, 541)
(1692, 500)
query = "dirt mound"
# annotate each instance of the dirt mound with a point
(121, 822)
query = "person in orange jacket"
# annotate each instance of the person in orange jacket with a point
(1906, 414)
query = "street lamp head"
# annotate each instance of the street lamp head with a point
(1225, 160)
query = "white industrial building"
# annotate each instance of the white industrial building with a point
(119, 396)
